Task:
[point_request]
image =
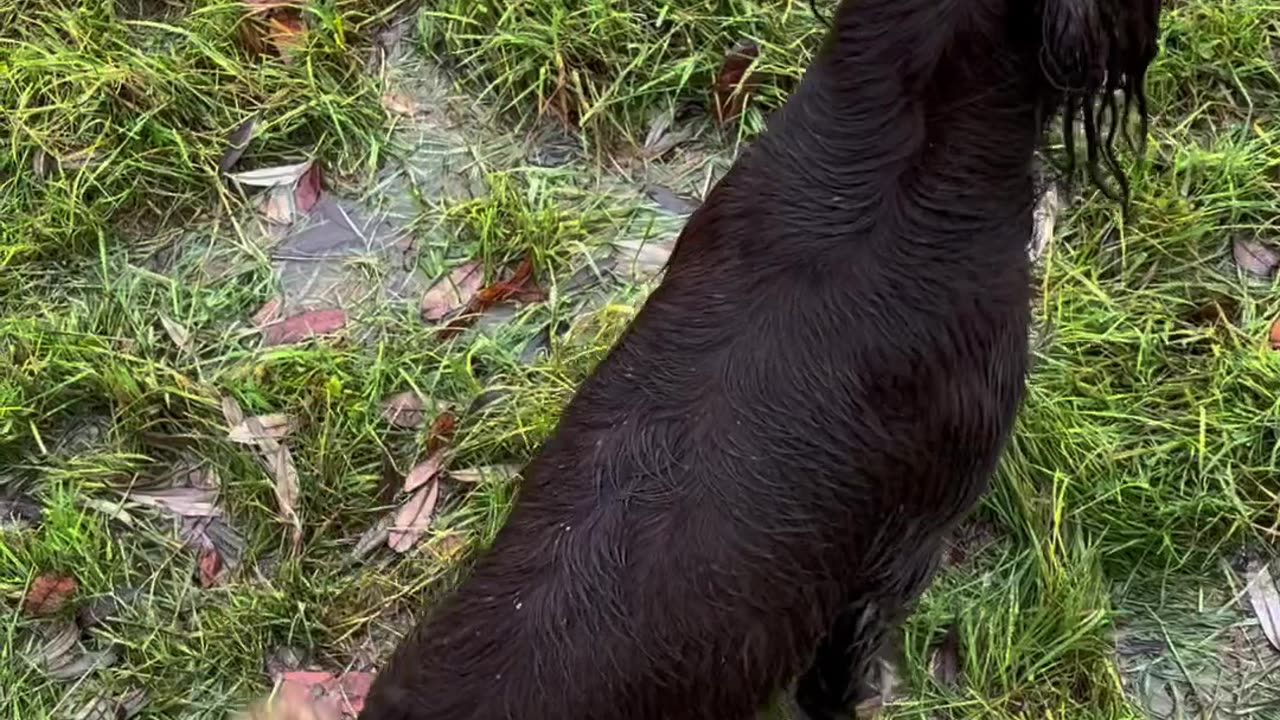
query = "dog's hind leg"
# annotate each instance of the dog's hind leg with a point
(841, 675)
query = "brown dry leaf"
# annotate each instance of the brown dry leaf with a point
(285, 30)
(231, 411)
(425, 471)
(251, 430)
(237, 143)
(735, 83)
(945, 662)
(287, 489)
(1255, 258)
(1265, 600)
(48, 594)
(276, 175)
(520, 287)
(400, 104)
(304, 325)
(404, 410)
(442, 430)
(1275, 335)
(181, 501)
(473, 476)
(211, 568)
(278, 205)
(453, 292)
(413, 518)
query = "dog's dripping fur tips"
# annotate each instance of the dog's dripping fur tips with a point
(760, 475)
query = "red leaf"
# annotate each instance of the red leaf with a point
(341, 695)
(520, 286)
(310, 187)
(305, 325)
(442, 430)
(210, 568)
(733, 85)
(48, 594)
(1275, 335)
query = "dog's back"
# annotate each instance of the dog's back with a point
(756, 481)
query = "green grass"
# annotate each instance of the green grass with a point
(1143, 467)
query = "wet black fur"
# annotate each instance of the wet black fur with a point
(755, 484)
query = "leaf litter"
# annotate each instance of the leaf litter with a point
(413, 518)
(1255, 258)
(48, 594)
(1265, 599)
(274, 426)
(452, 293)
(278, 462)
(304, 326)
(404, 410)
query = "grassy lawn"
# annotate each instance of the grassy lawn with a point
(160, 554)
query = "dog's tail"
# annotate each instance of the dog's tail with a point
(1095, 55)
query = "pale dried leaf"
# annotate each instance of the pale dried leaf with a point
(404, 410)
(453, 292)
(1255, 258)
(231, 411)
(425, 471)
(250, 431)
(945, 662)
(77, 666)
(177, 333)
(413, 518)
(181, 501)
(400, 104)
(669, 200)
(484, 473)
(272, 176)
(286, 486)
(278, 205)
(374, 538)
(59, 640)
(1265, 600)
(123, 707)
(113, 510)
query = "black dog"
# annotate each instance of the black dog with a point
(755, 484)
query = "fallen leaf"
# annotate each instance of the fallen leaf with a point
(1265, 600)
(268, 313)
(287, 489)
(123, 707)
(251, 430)
(278, 205)
(237, 143)
(213, 534)
(77, 666)
(374, 538)
(476, 475)
(181, 501)
(177, 333)
(103, 609)
(442, 430)
(272, 176)
(310, 187)
(304, 325)
(945, 662)
(400, 104)
(48, 594)
(453, 292)
(211, 569)
(520, 286)
(18, 512)
(413, 518)
(425, 471)
(404, 410)
(327, 695)
(1255, 258)
(1275, 334)
(668, 200)
(735, 83)
(231, 411)
(285, 30)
